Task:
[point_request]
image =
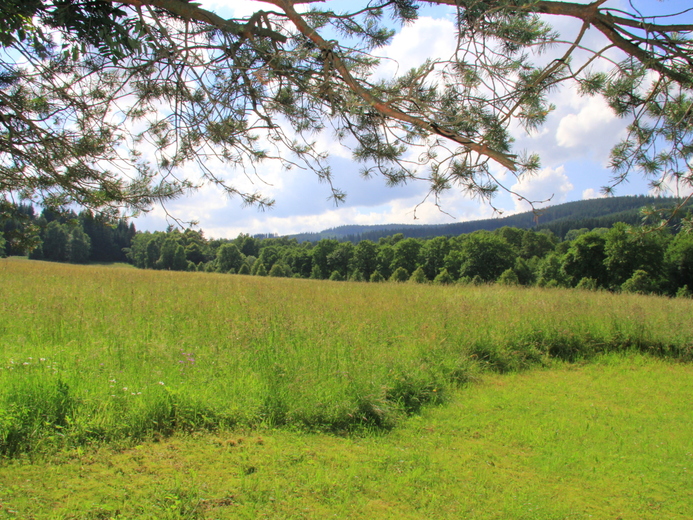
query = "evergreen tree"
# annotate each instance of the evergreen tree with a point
(280, 73)
(55, 242)
(180, 263)
(79, 246)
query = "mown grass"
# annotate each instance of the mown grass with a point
(92, 354)
(609, 439)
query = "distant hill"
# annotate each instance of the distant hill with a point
(559, 219)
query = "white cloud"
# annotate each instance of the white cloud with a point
(591, 193)
(234, 9)
(593, 123)
(414, 44)
(671, 188)
(550, 185)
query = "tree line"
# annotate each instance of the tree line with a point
(64, 236)
(559, 219)
(622, 257)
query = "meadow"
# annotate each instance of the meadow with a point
(129, 394)
(93, 354)
(608, 439)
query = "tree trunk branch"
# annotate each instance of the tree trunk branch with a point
(385, 109)
(192, 11)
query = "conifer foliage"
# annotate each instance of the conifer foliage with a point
(103, 103)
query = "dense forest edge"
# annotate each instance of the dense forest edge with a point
(594, 244)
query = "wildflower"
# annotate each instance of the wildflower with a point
(125, 389)
(161, 383)
(42, 359)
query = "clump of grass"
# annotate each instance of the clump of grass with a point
(114, 354)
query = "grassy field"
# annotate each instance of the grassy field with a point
(605, 440)
(131, 394)
(91, 354)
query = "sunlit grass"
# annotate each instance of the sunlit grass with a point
(610, 439)
(92, 353)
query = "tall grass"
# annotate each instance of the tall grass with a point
(89, 353)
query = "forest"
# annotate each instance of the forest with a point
(621, 257)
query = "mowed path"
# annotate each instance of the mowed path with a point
(606, 440)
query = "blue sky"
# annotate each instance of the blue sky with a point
(574, 145)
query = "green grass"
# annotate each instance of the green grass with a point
(608, 440)
(92, 354)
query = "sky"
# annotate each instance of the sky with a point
(574, 146)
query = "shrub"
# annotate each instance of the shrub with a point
(377, 277)
(587, 284)
(443, 278)
(639, 283)
(684, 292)
(279, 271)
(336, 277)
(508, 277)
(418, 276)
(400, 275)
(357, 276)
